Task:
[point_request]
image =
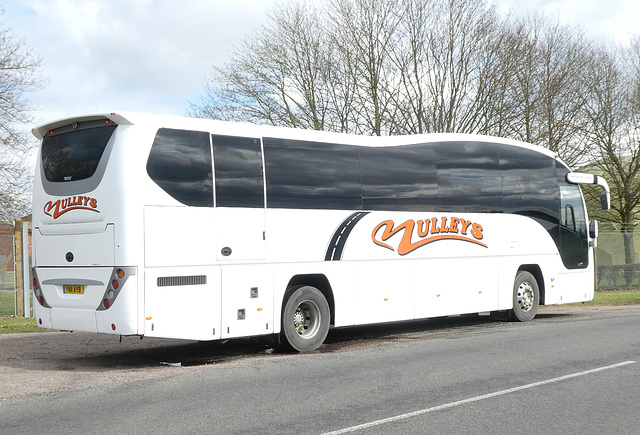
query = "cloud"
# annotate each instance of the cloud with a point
(138, 55)
(611, 20)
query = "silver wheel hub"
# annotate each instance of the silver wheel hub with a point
(526, 296)
(306, 319)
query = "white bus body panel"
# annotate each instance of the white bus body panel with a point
(53, 247)
(179, 241)
(241, 234)
(247, 300)
(179, 236)
(184, 310)
(372, 283)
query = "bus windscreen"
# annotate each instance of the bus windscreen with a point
(74, 155)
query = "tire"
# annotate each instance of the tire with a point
(526, 297)
(305, 318)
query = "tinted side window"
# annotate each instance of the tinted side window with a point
(399, 178)
(180, 163)
(529, 184)
(468, 177)
(312, 175)
(238, 169)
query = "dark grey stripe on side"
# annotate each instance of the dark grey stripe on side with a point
(339, 239)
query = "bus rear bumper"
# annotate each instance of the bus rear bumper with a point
(65, 319)
(106, 301)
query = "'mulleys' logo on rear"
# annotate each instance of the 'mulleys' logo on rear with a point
(427, 231)
(55, 209)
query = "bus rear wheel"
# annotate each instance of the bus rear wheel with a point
(305, 318)
(526, 297)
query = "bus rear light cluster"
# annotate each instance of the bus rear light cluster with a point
(118, 277)
(37, 290)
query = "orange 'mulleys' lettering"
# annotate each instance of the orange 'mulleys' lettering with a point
(456, 230)
(55, 209)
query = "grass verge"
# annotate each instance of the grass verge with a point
(18, 324)
(616, 297)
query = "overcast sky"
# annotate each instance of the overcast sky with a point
(154, 55)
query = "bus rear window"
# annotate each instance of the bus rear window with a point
(74, 155)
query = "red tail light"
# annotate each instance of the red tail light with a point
(117, 283)
(37, 291)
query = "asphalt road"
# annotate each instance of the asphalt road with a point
(565, 372)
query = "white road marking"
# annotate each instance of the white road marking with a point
(474, 399)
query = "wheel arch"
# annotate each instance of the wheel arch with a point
(318, 281)
(536, 271)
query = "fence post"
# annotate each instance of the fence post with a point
(22, 268)
(17, 230)
(26, 282)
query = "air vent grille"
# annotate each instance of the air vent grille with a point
(173, 281)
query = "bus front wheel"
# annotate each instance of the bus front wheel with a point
(526, 297)
(305, 318)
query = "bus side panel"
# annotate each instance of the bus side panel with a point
(241, 234)
(384, 291)
(183, 302)
(179, 236)
(247, 300)
(574, 286)
(456, 286)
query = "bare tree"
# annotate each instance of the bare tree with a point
(547, 64)
(612, 109)
(448, 62)
(18, 75)
(410, 66)
(276, 77)
(365, 33)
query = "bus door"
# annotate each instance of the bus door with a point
(574, 247)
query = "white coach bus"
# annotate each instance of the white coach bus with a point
(206, 230)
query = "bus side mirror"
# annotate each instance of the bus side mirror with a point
(605, 200)
(580, 178)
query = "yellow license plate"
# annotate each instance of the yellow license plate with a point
(73, 289)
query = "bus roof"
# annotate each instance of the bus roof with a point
(257, 130)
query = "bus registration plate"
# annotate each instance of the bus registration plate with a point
(73, 289)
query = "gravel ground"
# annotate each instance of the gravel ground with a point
(45, 363)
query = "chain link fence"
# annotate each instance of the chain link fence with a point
(612, 270)
(7, 276)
